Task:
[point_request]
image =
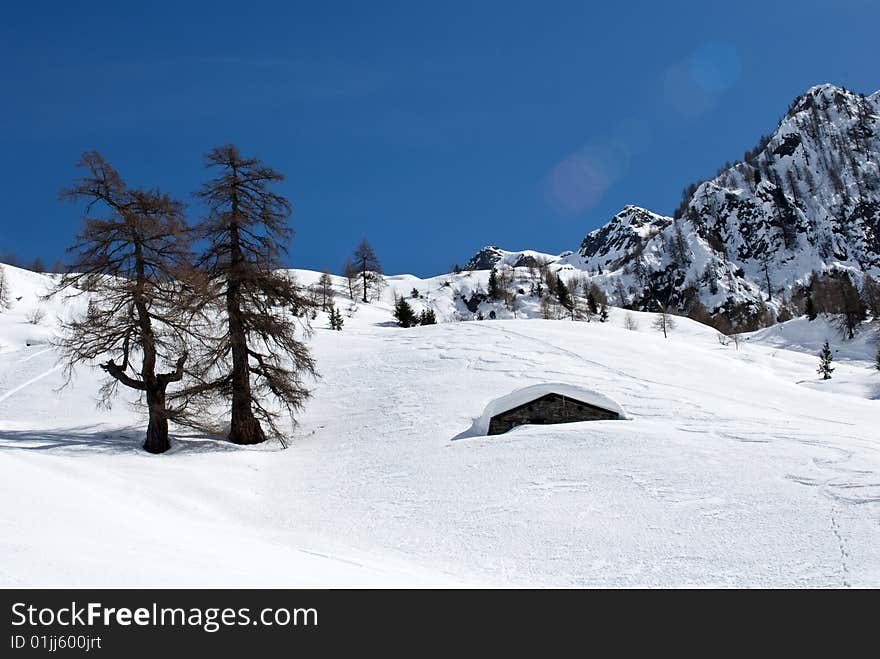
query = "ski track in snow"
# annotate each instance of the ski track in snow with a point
(36, 354)
(27, 384)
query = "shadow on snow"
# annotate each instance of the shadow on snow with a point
(95, 438)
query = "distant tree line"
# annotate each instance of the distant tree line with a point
(835, 294)
(36, 264)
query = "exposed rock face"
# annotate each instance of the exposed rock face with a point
(490, 257)
(486, 259)
(625, 235)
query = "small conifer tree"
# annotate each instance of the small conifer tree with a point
(825, 359)
(494, 290)
(336, 320)
(427, 317)
(810, 307)
(563, 294)
(404, 314)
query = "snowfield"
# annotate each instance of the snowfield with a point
(733, 468)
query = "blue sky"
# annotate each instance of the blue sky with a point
(431, 129)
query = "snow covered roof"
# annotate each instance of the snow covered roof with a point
(532, 392)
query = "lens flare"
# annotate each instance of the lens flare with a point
(577, 183)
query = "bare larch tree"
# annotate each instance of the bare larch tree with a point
(352, 276)
(131, 262)
(257, 353)
(367, 264)
(325, 289)
(664, 321)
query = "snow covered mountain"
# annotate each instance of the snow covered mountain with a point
(490, 257)
(806, 198)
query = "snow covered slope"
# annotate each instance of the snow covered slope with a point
(736, 467)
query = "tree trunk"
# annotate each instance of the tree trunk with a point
(365, 281)
(244, 428)
(157, 428)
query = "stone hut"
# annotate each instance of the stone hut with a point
(546, 404)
